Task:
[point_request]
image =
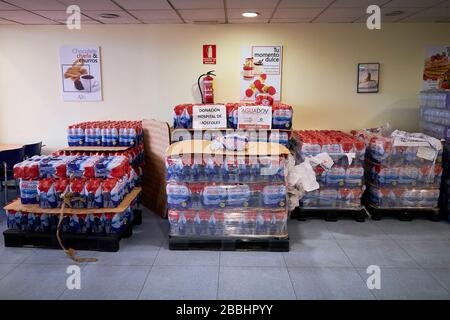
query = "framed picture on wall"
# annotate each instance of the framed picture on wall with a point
(368, 77)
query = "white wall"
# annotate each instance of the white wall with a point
(147, 69)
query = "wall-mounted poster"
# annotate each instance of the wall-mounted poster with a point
(81, 73)
(261, 71)
(436, 72)
(368, 77)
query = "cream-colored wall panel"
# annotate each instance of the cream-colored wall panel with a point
(147, 69)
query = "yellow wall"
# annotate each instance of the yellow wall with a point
(147, 69)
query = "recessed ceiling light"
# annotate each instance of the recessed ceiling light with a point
(109, 15)
(394, 13)
(250, 14)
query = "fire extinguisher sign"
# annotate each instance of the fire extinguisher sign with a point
(209, 54)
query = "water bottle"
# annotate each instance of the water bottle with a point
(98, 136)
(121, 140)
(172, 217)
(182, 224)
(185, 119)
(212, 224)
(125, 137)
(132, 136)
(273, 225)
(75, 137)
(70, 137)
(104, 136)
(90, 137)
(189, 215)
(260, 224)
(281, 222)
(197, 224)
(82, 134)
(108, 137)
(114, 137)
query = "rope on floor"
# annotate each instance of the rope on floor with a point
(66, 201)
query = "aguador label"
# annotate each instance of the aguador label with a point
(254, 117)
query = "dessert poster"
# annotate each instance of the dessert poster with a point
(261, 71)
(436, 72)
(81, 73)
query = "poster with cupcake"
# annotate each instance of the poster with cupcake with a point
(436, 73)
(261, 71)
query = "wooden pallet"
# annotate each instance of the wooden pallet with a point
(330, 215)
(96, 149)
(403, 214)
(229, 244)
(17, 205)
(95, 242)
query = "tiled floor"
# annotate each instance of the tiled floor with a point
(328, 260)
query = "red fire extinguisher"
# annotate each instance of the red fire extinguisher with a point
(207, 86)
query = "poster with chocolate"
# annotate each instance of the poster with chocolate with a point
(81, 73)
(436, 72)
(260, 71)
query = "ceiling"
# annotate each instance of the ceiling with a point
(52, 12)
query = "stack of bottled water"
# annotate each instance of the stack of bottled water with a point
(96, 223)
(274, 136)
(403, 170)
(435, 113)
(226, 195)
(99, 181)
(342, 183)
(279, 131)
(281, 115)
(105, 133)
(135, 157)
(435, 121)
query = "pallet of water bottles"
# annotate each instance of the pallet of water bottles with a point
(81, 229)
(435, 130)
(225, 222)
(343, 148)
(105, 133)
(340, 180)
(345, 151)
(414, 175)
(135, 154)
(95, 181)
(435, 113)
(435, 121)
(212, 195)
(403, 202)
(228, 229)
(400, 148)
(282, 114)
(261, 135)
(331, 204)
(439, 99)
(228, 169)
(229, 199)
(206, 180)
(403, 173)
